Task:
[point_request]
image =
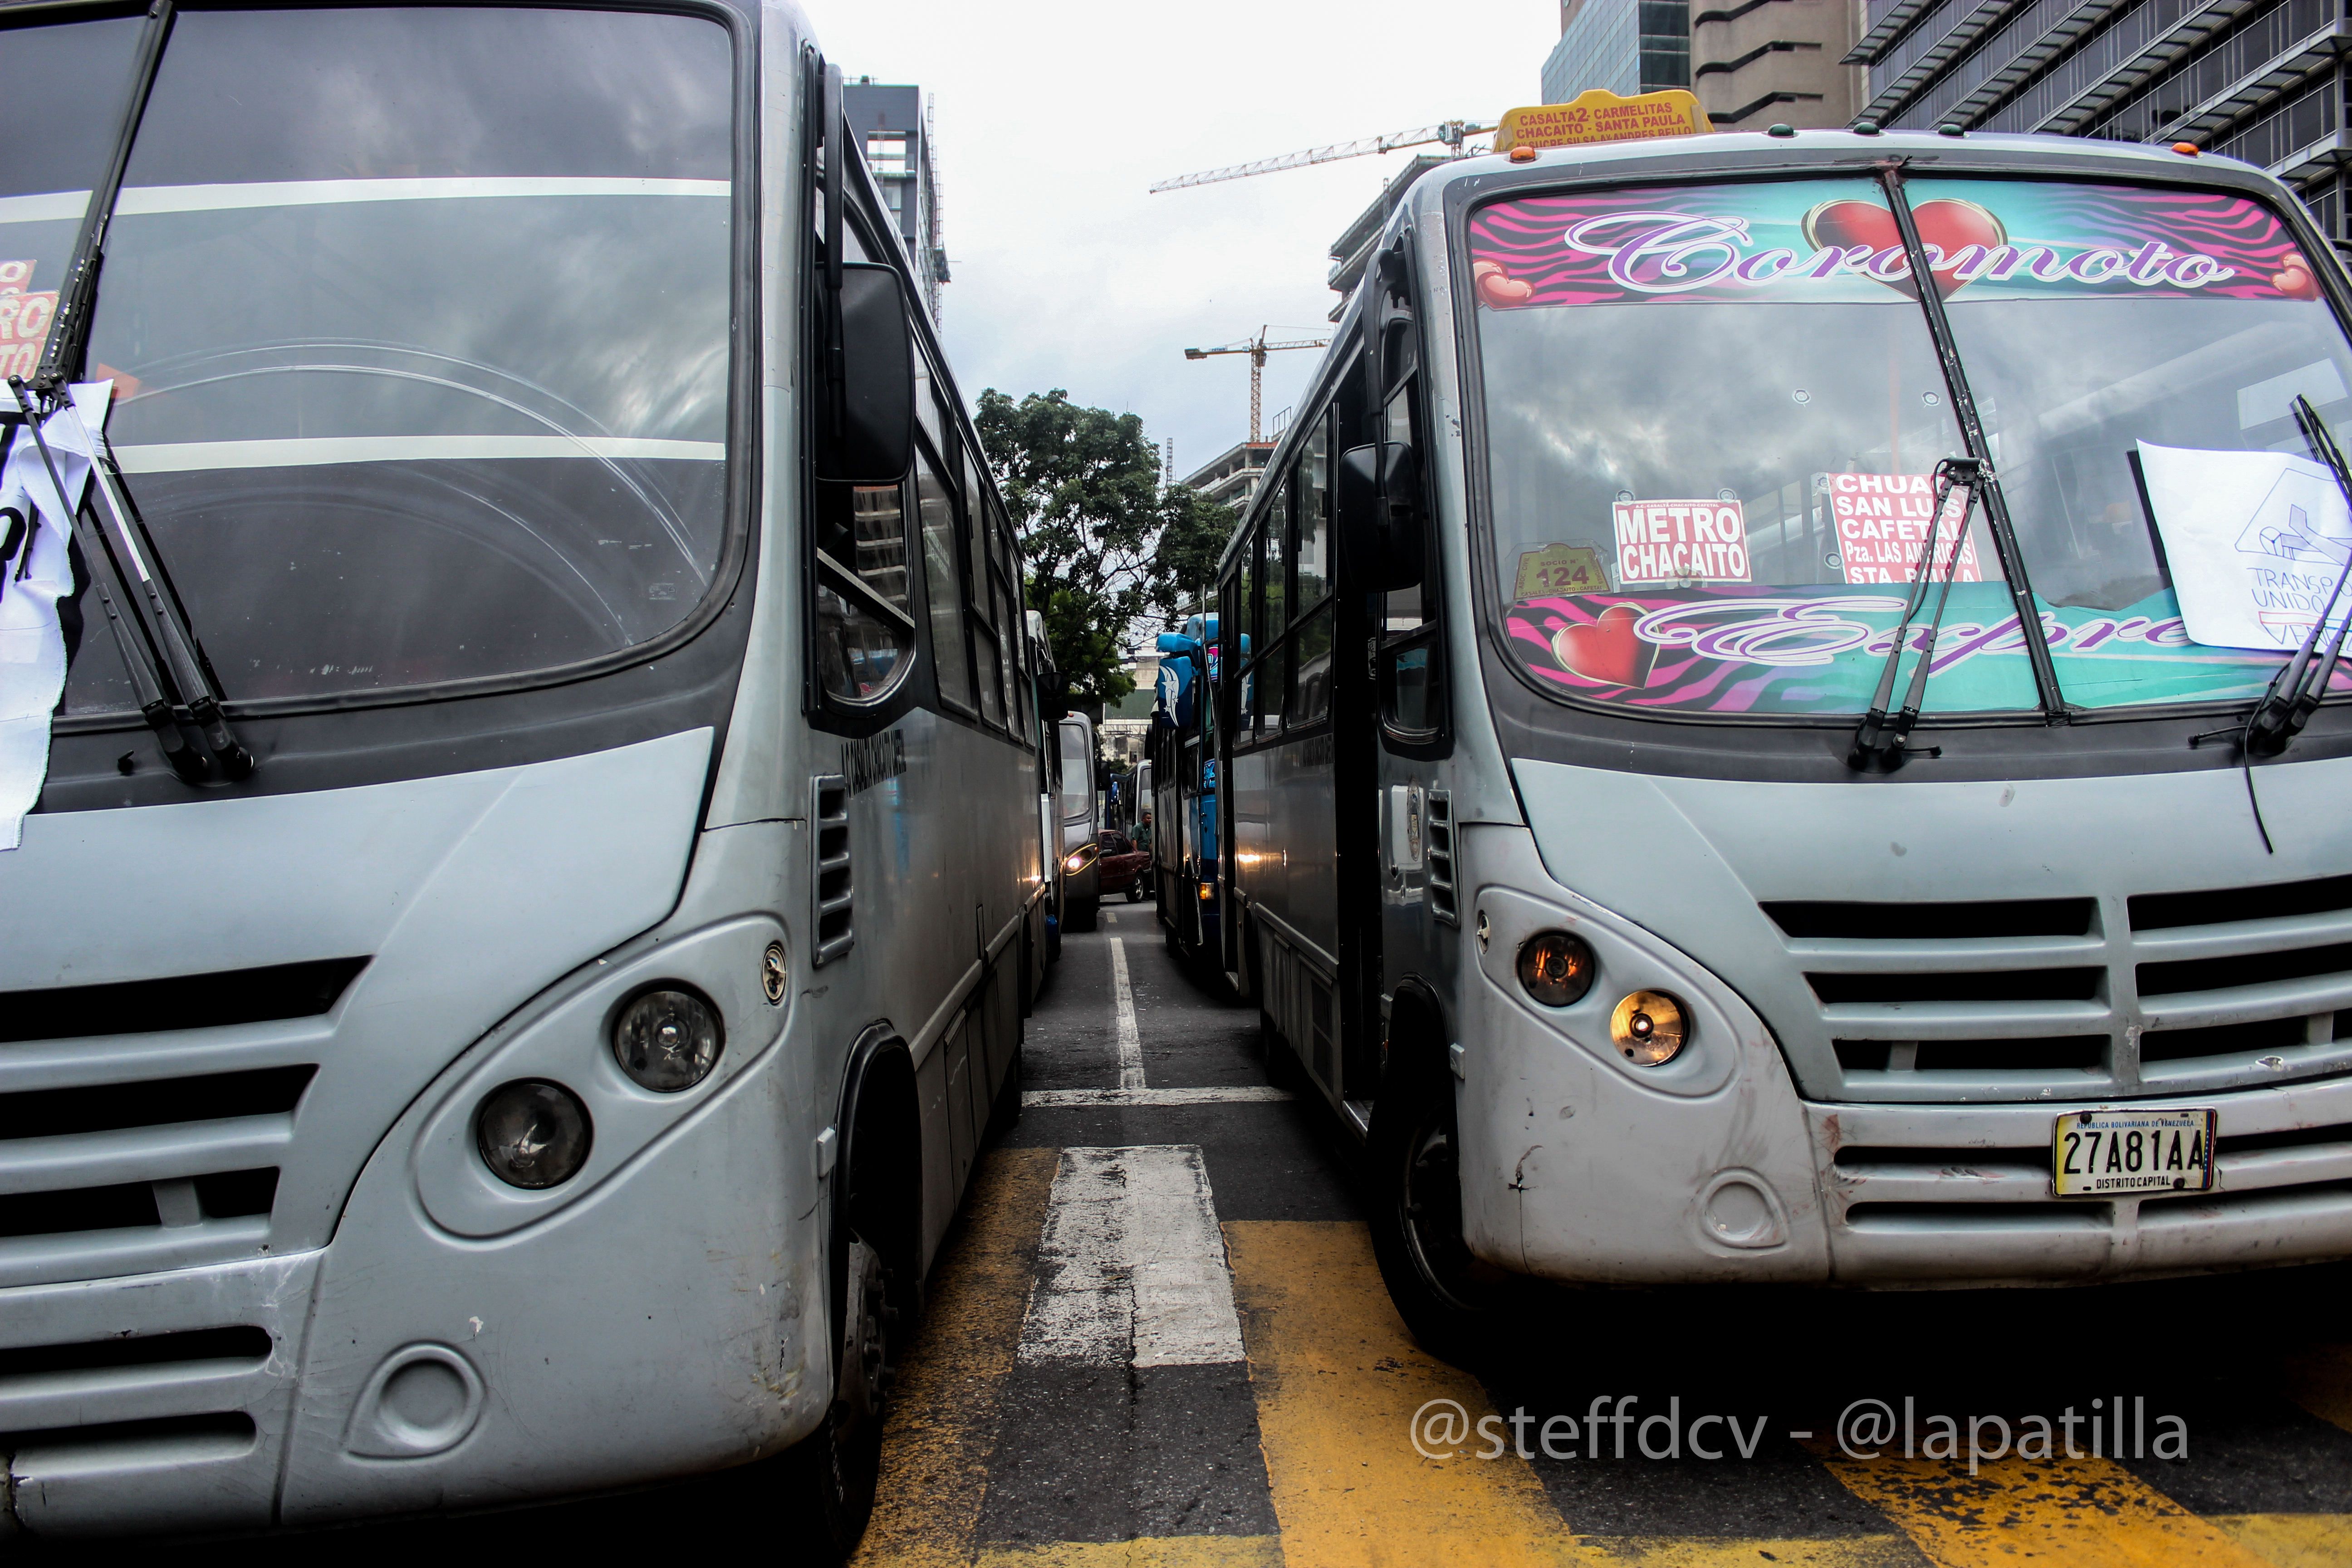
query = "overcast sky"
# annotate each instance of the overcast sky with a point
(1054, 117)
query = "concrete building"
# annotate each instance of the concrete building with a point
(1751, 63)
(1126, 722)
(1352, 251)
(2262, 80)
(897, 125)
(1231, 479)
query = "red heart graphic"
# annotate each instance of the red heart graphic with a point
(1945, 225)
(1606, 649)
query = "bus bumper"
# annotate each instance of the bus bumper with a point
(661, 1325)
(1579, 1166)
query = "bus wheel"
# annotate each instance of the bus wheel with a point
(1452, 1301)
(834, 1468)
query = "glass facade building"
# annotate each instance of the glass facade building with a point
(1625, 45)
(2259, 81)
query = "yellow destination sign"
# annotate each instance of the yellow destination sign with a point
(1599, 115)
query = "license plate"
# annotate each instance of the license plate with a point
(2106, 1153)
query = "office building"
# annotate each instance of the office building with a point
(2262, 80)
(1231, 478)
(897, 125)
(1751, 64)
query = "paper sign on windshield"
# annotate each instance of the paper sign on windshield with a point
(2255, 542)
(1882, 525)
(1681, 541)
(24, 318)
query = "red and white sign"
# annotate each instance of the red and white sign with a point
(24, 319)
(1681, 541)
(1882, 524)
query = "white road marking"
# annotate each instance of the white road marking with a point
(1232, 1094)
(1132, 1268)
(1130, 1043)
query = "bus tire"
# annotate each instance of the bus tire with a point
(832, 1472)
(1452, 1301)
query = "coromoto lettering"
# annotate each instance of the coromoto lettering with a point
(1681, 540)
(1674, 253)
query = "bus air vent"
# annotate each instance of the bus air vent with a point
(2165, 912)
(181, 1002)
(245, 1344)
(157, 1102)
(1933, 923)
(830, 886)
(1440, 853)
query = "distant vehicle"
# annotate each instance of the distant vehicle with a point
(1122, 866)
(1181, 748)
(1079, 811)
(1749, 767)
(553, 1066)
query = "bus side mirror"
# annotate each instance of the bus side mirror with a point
(868, 435)
(1376, 506)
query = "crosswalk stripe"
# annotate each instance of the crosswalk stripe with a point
(1214, 1094)
(1131, 1267)
(1338, 1380)
(1149, 1551)
(2083, 1512)
(941, 1428)
(1131, 1039)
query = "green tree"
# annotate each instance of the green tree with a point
(1106, 545)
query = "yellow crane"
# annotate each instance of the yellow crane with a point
(1257, 348)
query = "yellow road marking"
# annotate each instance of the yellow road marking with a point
(1150, 1552)
(2083, 1513)
(2292, 1540)
(1337, 1379)
(1693, 1552)
(942, 1423)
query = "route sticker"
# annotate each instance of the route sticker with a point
(1561, 569)
(1681, 540)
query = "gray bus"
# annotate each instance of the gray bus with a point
(527, 925)
(1792, 732)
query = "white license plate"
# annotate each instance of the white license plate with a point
(2104, 1154)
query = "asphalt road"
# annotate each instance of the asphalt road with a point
(1155, 1339)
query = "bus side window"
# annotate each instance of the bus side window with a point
(864, 625)
(1274, 619)
(987, 653)
(1411, 683)
(943, 582)
(1311, 642)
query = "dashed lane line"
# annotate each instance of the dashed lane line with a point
(942, 1429)
(1227, 1094)
(1338, 1380)
(1132, 1268)
(1130, 1041)
(2081, 1512)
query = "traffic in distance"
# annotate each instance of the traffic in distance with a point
(543, 825)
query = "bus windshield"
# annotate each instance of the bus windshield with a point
(1713, 416)
(421, 363)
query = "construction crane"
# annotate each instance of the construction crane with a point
(1257, 348)
(1453, 133)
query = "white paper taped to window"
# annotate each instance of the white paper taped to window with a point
(2255, 542)
(32, 645)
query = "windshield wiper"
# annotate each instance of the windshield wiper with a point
(61, 356)
(167, 672)
(1880, 747)
(2297, 691)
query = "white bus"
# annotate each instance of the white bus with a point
(1080, 812)
(1654, 832)
(534, 1031)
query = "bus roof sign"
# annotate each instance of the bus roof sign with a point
(1600, 115)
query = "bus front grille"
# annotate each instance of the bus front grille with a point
(2120, 995)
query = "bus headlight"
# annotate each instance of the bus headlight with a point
(666, 1040)
(533, 1133)
(1650, 1028)
(1556, 968)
